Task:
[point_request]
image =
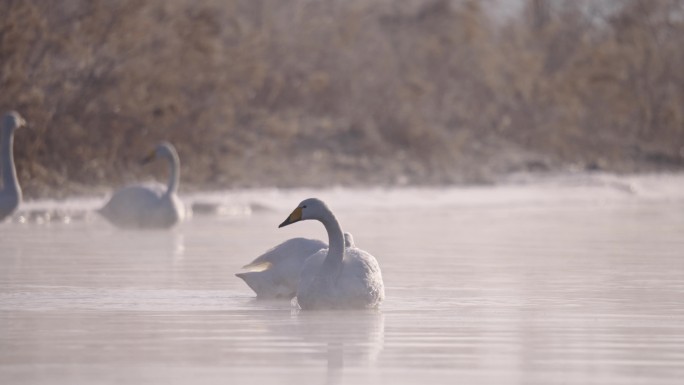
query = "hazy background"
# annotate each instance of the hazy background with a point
(354, 92)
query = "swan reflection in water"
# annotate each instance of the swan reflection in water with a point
(342, 339)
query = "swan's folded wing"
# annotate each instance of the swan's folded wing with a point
(255, 267)
(275, 274)
(265, 286)
(298, 248)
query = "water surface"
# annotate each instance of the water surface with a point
(569, 280)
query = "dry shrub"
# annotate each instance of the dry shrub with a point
(265, 92)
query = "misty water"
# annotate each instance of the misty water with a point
(562, 280)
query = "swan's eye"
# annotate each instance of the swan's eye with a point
(304, 206)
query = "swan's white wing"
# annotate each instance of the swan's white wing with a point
(266, 285)
(275, 274)
(292, 249)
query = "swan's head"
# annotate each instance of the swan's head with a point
(162, 150)
(12, 120)
(311, 208)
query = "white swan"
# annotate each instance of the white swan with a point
(10, 195)
(336, 277)
(148, 207)
(275, 273)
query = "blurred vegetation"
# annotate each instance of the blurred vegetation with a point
(313, 93)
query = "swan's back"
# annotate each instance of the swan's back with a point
(275, 274)
(357, 284)
(143, 207)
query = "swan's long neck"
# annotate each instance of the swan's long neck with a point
(9, 173)
(174, 178)
(335, 241)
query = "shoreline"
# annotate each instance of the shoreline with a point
(43, 190)
(559, 180)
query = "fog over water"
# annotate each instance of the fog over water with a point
(574, 279)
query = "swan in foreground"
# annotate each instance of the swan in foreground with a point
(148, 207)
(10, 195)
(335, 277)
(275, 273)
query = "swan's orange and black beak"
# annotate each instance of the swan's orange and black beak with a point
(296, 216)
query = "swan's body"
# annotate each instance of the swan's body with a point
(148, 207)
(338, 277)
(275, 274)
(10, 194)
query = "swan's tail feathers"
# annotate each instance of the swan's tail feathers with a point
(263, 285)
(243, 276)
(256, 267)
(252, 280)
(349, 240)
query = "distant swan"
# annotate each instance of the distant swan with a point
(10, 195)
(336, 277)
(275, 274)
(148, 207)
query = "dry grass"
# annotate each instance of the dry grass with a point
(273, 93)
